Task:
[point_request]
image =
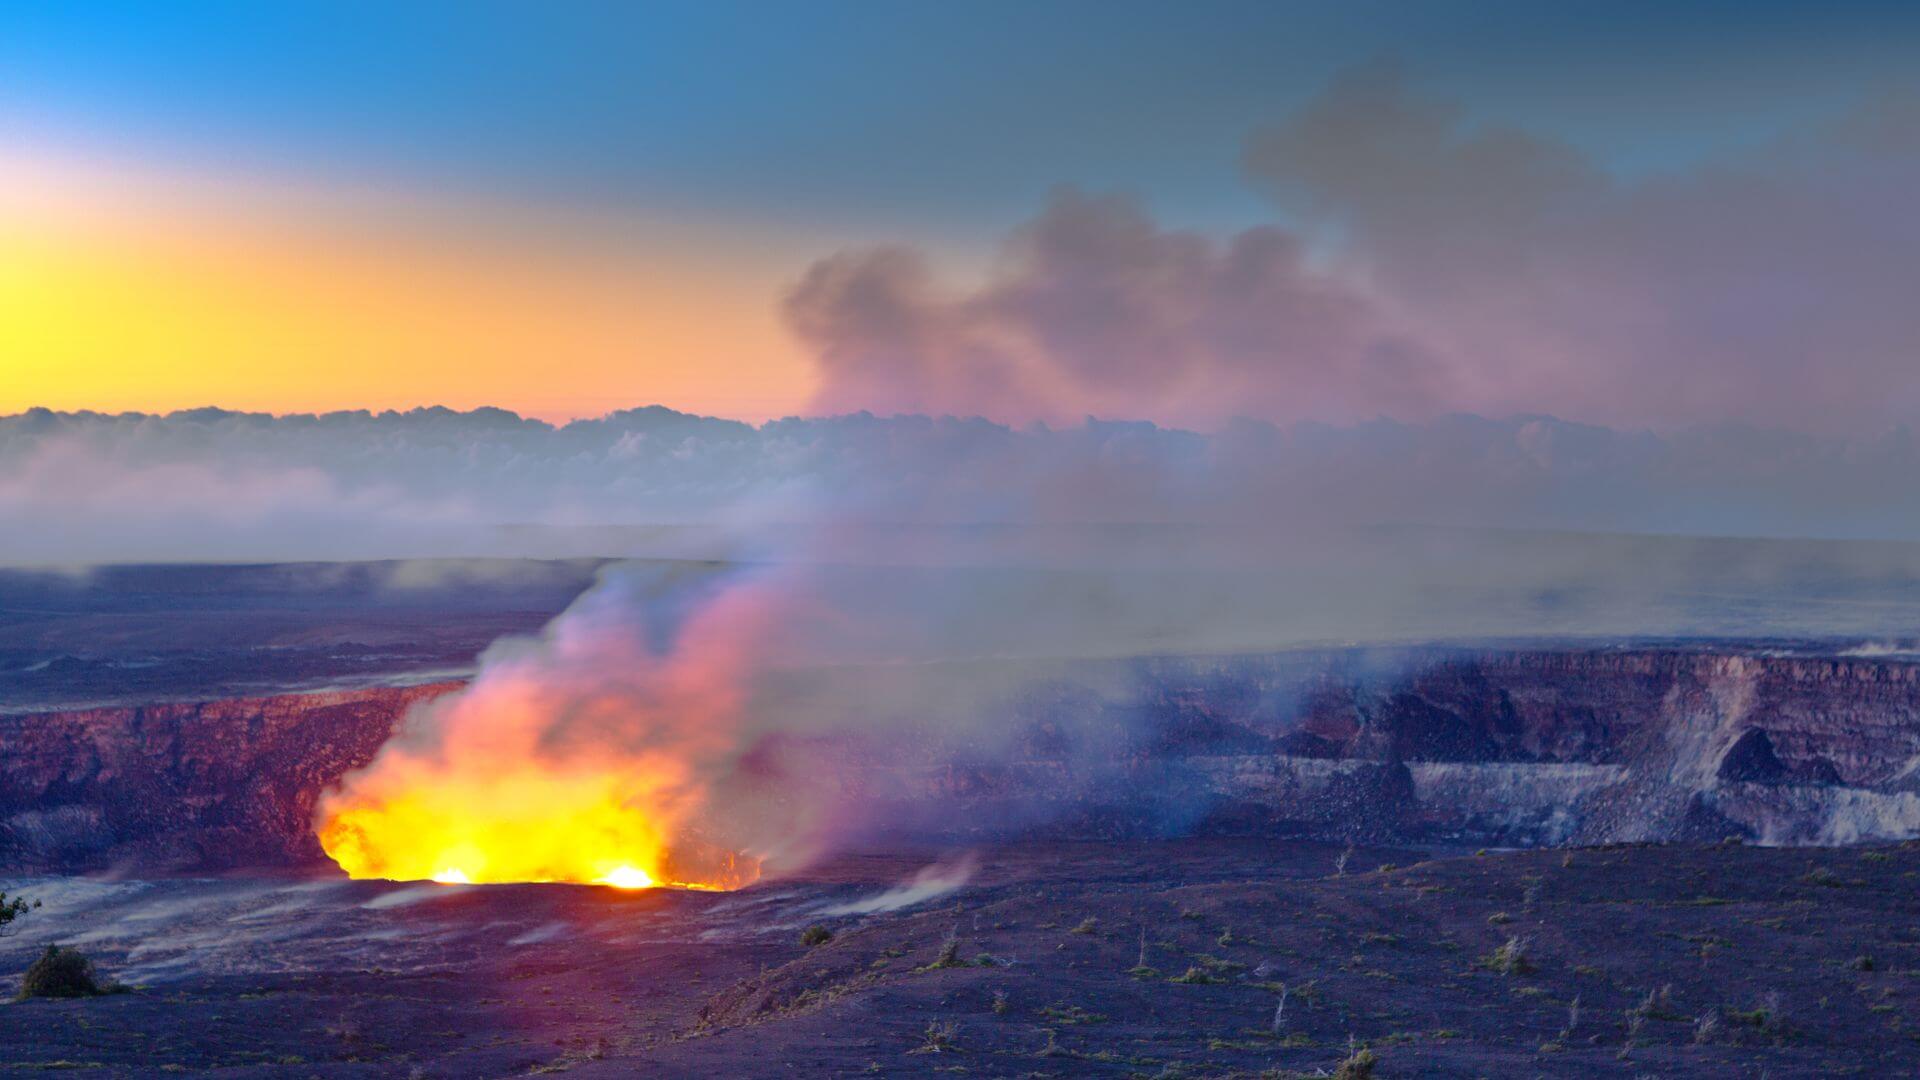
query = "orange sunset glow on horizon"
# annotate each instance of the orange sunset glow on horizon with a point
(151, 293)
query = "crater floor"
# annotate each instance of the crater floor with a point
(1142, 958)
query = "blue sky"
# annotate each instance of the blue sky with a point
(902, 116)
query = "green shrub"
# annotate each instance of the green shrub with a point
(1509, 959)
(1358, 1066)
(939, 1038)
(60, 973)
(815, 935)
(947, 957)
(11, 909)
(1197, 976)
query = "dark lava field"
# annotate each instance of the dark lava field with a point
(1164, 958)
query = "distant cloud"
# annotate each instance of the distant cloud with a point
(218, 485)
(1429, 264)
(1768, 286)
(1098, 310)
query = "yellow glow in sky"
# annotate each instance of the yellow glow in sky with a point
(154, 294)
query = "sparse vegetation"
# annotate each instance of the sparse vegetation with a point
(1573, 1018)
(1657, 1005)
(1197, 976)
(1359, 1065)
(947, 957)
(938, 1038)
(1210, 970)
(1509, 959)
(815, 935)
(1826, 878)
(61, 972)
(1071, 1014)
(12, 908)
(1768, 1017)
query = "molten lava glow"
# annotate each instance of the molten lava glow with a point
(628, 877)
(531, 826)
(587, 756)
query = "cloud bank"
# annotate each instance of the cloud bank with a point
(78, 488)
(1427, 265)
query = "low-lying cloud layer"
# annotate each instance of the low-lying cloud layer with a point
(215, 485)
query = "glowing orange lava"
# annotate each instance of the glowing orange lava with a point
(586, 756)
(628, 877)
(527, 825)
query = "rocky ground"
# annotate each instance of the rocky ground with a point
(1132, 959)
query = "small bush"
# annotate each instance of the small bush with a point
(1509, 959)
(1358, 1066)
(939, 1038)
(947, 957)
(1827, 879)
(1197, 976)
(1071, 1014)
(60, 973)
(1657, 1005)
(1862, 963)
(1769, 1016)
(815, 935)
(11, 909)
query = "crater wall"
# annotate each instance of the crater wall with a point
(1498, 747)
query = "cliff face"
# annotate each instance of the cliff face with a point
(1499, 748)
(1519, 747)
(184, 786)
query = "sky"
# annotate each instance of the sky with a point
(1028, 210)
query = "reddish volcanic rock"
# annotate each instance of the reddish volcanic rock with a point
(184, 786)
(1518, 747)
